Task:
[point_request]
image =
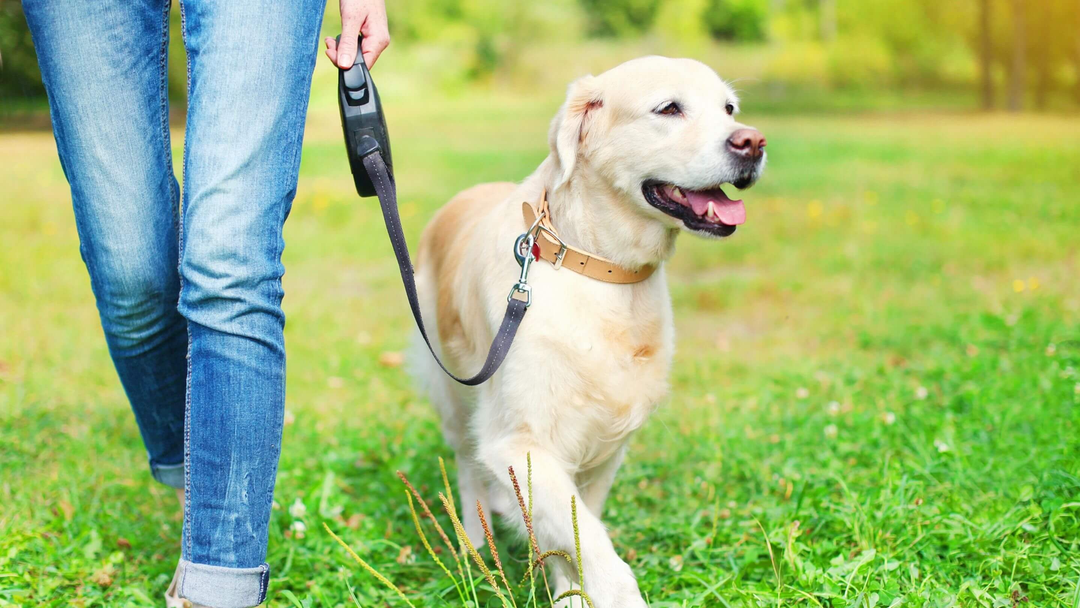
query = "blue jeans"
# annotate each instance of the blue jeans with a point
(190, 301)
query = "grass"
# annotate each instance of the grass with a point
(876, 396)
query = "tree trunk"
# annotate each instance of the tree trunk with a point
(1076, 53)
(1042, 87)
(1017, 75)
(986, 56)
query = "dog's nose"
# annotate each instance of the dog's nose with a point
(747, 142)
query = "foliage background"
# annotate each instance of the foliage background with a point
(1014, 53)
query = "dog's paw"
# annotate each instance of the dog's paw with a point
(614, 587)
(619, 599)
(630, 599)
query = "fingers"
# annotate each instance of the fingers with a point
(359, 16)
(351, 20)
(373, 47)
(376, 33)
(331, 49)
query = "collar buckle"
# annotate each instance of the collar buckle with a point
(562, 246)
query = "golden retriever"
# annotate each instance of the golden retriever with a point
(638, 154)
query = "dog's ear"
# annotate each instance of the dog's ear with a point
(571, 125)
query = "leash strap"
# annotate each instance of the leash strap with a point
(515, 307)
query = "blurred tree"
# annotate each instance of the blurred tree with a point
(986, 56)
(1035, 43)
(680, 22)
(1054, 48)
(425, 19)
(19, 76)
(1018, 65)
(485, 36)
(1023, 47)
(495, 26)
(1076, 55)
(737, 20)
(620, 17)
(918, 35)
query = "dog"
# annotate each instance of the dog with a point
(638, 154)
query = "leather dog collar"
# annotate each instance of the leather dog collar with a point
(561, 255)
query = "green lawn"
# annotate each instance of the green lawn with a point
(876, 396)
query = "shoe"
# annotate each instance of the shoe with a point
(172, 594)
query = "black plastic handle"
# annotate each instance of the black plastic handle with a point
(362, 121)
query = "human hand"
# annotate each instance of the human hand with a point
(367, 17)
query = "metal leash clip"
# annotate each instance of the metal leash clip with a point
(526, 252)
(523, 251)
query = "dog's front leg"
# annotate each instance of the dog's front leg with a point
(472, 489)
(608, 580)
(596, 483)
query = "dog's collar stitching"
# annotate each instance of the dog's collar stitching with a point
(561, 255)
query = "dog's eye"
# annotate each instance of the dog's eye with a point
(669, 109)
(729, 108)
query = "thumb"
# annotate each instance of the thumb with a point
(350, 29)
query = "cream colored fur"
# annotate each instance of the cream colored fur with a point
(591, 360)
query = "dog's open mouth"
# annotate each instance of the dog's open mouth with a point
(710, 211)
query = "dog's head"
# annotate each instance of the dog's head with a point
(662, 134)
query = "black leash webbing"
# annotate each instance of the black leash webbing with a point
(515, 308)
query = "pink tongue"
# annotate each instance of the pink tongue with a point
(731, 213)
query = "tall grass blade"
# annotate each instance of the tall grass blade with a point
(464, 538)
(494, 551)
(576, 593)
(543, 556)
(372, 571)
(428, 514)
(526, 513)
(577, 542)
(451, 510)
(427, 546)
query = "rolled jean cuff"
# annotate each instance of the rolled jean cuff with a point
(222, 587)
(171, 475)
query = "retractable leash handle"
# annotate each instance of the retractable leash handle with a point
(362, 121)
(368, 146)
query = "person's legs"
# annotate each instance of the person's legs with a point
(250, 66)
(103, 63)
